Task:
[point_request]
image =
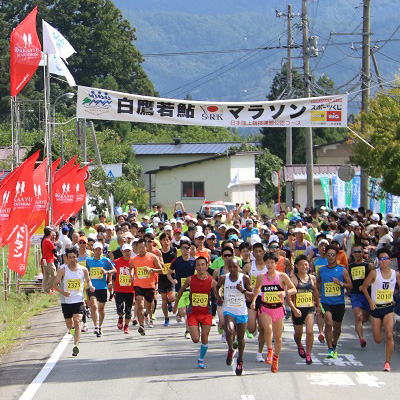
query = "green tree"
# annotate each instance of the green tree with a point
(383, 127)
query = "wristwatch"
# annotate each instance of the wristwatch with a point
(244, 291)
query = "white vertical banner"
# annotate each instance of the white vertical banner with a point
(341, 193)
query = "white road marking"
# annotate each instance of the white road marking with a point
(364, 378)
(248, 397)
(45, 371)
(342, 379)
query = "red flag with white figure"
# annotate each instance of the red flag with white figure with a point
(18, 250)
(25, 52)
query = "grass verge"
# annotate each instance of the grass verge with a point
(15, 313)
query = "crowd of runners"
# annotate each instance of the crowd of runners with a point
(243, 272)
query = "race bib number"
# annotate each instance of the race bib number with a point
(142, 273)
(166, 268)
(358, 273)
(272, 297)
(332, 289)
(124, 280)
(304, 299)
(384, 296)
(317, 267)
(73, 285)
(96, 273)
(235, 300)
(199, 299)
(253, 280)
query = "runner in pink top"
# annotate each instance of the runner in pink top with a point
(273, 286)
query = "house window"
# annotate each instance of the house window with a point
(193, 190)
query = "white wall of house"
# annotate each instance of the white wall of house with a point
(301, 192)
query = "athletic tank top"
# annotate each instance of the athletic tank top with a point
(331, 292)
(270, 290)
(143, 279)
(203, 253)
(200, 295)
(234, 301)
(280, 265)
(318, 263)
(167, 260)
(304, 295)
(73, 283)
(298, 250)
(382, 289)
(254, 272)
(358, 273)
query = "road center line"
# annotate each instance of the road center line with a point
(45, 371)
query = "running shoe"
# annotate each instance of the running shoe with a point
(99, 333)
(72, 331)
(308, 359)
(166, 322)
(111, 297)
(239, 368)
(229, 358)
(301, 352)
(223, 338)
(220, 331)
(96, 331)
(169, 307)
(321, 338)
(147, 319)
(187, 335)
(153, 316)
(151, 325)
(330, 354)
(135, 321)
(249, 334)
(387, 367)
(84, 327)
(200, 364)
(235, 344)
(335, 353)
(141, 330)
(75, 351)
(269, 358)
(363, 343)
(274, 367)
(259, 358)
(126, 329)
(120, 323)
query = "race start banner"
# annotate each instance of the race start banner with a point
(330, 111)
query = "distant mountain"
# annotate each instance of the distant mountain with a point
(214, 25)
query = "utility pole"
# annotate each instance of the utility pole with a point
(307, 93)
(365, 84)
(289, 140)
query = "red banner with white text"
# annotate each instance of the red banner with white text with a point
(39, 210)
(18, 250)
(65, 169)
(64, 194)
(25, 52)
(79, 191)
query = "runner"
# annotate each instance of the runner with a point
(145, 267)
(253, 269)
(236, 285)
(165, 287)
(273, 285)
(124, 292)
(358, 271)
(199, 310)
(383, 281)
(69, 283)
(331, 281)
(303, 309)
(83, 254)
(183, 267)
(99, 268)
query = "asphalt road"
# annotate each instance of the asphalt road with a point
(163, 365)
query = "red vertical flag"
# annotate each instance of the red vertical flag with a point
(25, 52)
(22, 202)
(65, 169)
(18, 250)
(79, 191)
(11, 189)
(54, 167)
(64, 195)
(38, 214)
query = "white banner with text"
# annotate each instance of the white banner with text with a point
(329, 111)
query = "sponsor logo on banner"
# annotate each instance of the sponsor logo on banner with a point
(318, 116)
(97, 102)
(333, 115)
(212, 112)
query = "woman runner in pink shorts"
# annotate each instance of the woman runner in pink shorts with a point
(273, 286)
